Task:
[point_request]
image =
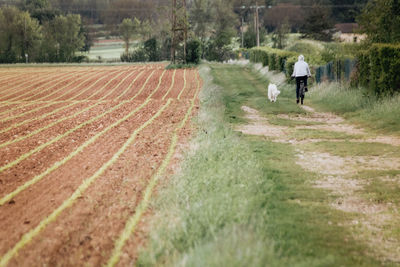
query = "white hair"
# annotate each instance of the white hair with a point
(301, 58)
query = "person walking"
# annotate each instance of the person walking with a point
(301, 72)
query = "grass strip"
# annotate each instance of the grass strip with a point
(184, 83)
(133, 220)
(26, 238)
(172, 86)
(382, 115)
(39, 177)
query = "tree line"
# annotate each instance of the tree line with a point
(53, 30)
(48, 37)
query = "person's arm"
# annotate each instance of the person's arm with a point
(308, 71)
(294, 71)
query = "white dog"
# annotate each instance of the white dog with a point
(273, 92)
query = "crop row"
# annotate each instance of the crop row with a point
(87, 182)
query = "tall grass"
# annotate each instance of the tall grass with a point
(206, 212)
(380, 114)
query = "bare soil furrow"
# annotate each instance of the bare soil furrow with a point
(116, 193)
(178, 85)
(49, 193)
(86, 83)
(34, 88)
(77, 154)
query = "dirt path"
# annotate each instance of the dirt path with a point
(342, 175)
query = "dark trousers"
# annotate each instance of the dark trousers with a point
(298, 79)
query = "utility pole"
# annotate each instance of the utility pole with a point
(184, 31)
(179, 25)
(258, 25)
(241, 29)
(257, 21)
(173, 31)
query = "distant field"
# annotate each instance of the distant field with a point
(81, 149)
(106, 49)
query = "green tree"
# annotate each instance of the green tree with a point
(152, 50)
(40, 10)
(318, 24)
(201, 18)
(146, 30)
(127, 30)
(63, 37)
(20, 35)
(280, 35)
(380, 20)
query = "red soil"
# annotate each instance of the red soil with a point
(84, 234)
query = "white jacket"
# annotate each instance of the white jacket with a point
(301, 68)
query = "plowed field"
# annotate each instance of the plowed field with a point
(81, 150)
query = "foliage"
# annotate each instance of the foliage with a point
(152, 50)
(335, 51)
(379, 69)
(213, 52)
(138, 55)
(280, 35)
(180, 66)
(318, 24)
(200, 18)
(193, 51)
(88, 38)
(40, 10)
(380, 20)
(127, 29)
(19, 35)
(275, 59)
(63, 37)
(250, 37)
(379, 113)
(304, 48)
(214, 22)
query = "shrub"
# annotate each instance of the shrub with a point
(138, 55)
(214, 52)
(379, 69)
(151, 49)
(193, 52)
(275, 59)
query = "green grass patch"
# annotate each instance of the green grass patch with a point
(383, 191)
(180, 66)
(382, 187)
(348, 148)
(239, 200)
(369, 174)
(381, 115)
(303, 134)
(291, 123)
(245, 88)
